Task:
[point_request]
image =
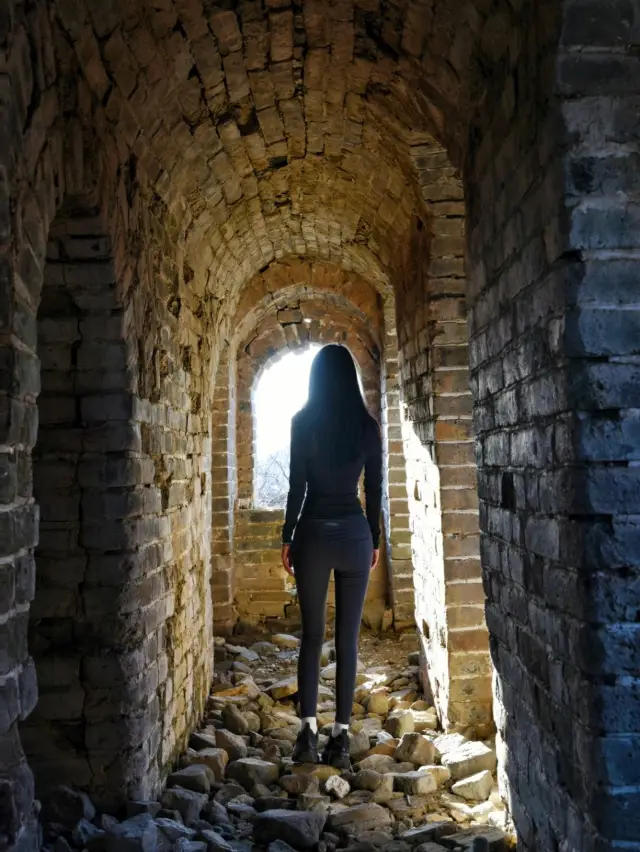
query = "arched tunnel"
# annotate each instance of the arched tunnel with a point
(191, 188)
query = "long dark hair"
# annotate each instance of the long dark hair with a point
(336, 414)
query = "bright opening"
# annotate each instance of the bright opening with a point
(281, 391)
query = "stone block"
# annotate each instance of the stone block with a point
(301, 829)
(468, 759)
(476, 787)
(137, 834)
(416, 783)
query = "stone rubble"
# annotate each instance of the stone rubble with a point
(237, 790)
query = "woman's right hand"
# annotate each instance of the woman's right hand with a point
(375, 558)
(286, 559)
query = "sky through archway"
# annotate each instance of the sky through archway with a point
(281, 391)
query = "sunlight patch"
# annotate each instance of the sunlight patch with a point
(281, 391)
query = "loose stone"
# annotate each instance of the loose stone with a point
(378, 703)
(447, 743)
(493, 837)
(134, 808)
(237, 787)
(228, 792)
(440, 773)
(187, 802)
(195, 777)
(378, 762)
(360, 818)
(273, 803)
(314, 802)
(299, 783)
(250, 770)
(233, 720)
(358, 742)
(174, 830)
(215, 759)
(476, 787)
(86, 833)
(215, 842)
(369, 779)
(241, 653)
(416, 749)
(284, 688)
(424, 720)
(138, 834)
(215, 812)
(284, 640)
(200, 740)
(434, 831)
(400, 723)
(184, 845)
(415, 783)
(469, 759)
(337, 786)
(232, 743)
(300, 829)
(264, 649)
(68, 806)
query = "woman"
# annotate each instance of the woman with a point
(332, 439)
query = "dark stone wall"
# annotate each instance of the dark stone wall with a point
(553, 339)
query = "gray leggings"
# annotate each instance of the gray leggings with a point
(345, 546)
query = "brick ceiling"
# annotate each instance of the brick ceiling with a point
(286, 284)
(272, 130)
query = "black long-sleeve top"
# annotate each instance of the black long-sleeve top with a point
(329, 491)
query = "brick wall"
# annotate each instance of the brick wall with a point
(122, 568)
(121, 574)
(438, 437)
(264, 590)
(554, 324)
(599, 488)
(174, 387)
(223, 495)
(395, 506)
(84, 483)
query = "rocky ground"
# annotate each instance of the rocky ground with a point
(412, 789)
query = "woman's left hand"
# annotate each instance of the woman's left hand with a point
(286, 559)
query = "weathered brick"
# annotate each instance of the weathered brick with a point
(208, 207)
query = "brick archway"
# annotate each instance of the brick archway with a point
(83, 484)
(285, 330)
(263, 590)
(285, 324)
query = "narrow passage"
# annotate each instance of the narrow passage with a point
(412, 788)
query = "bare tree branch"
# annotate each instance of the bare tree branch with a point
(272, 480)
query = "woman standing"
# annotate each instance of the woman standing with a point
(332, 439)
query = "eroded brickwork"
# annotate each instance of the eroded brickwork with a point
(83, 444)
(122, 568)
(224, 578)
(552, 371)
(216, 143)
(437, 433)
(121, 573)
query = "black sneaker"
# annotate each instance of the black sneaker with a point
(336, 752)
(306, 748)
